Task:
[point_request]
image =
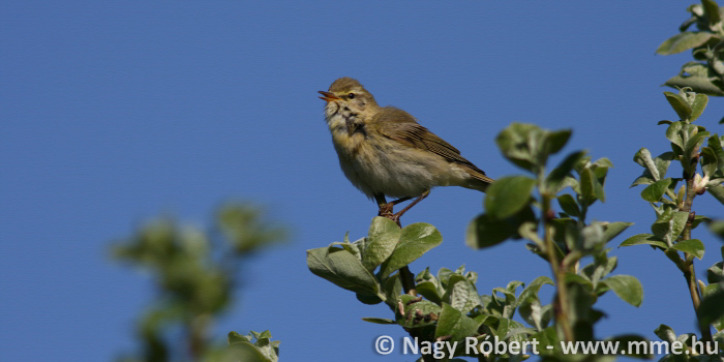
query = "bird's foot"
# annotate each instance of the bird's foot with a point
(385, 210)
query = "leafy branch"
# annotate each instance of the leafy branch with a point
(705, 74)
(562, 239)
(701, 157)
(194, 274)
(449, 307)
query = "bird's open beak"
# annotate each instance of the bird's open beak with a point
(328, 96)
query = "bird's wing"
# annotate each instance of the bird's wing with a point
(400, 126)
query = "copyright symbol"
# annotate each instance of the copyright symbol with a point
(384, 345)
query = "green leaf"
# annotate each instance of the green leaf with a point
(643, 158)
(698, 106)
(603, 162)
(370, 299)
(461, 294)
(531, 291)
(600, 268)
(709, 162)
(555, 179)
(654, 169)
(508, 195)
(512, 286)
(642, 180)
(578, 279)
(569, 205)
(712, 307)
(673, 134)
(519, 143)
(353, 248)
(711, 10)
(679, 104)
(717, 191)
(454, 324)
(429, 291)
(342, 268)
(589, 185)
(415, 240)
(613, 229)
(715, 273)
(694, 247)
(379, 320)
(699, 83)
(669, 225)
(535, 314)
(392, 289)
(235, 337)
(443, 275)
(654, 192)
(626, 287)
(715, 144)
(382, 239)
(694, 142)
(255, 347)
(717, 228)
(665, 333)
(683, 41)
(528, 146)
(678, 223)
(641, 239)
(486, 231)
(554, 141)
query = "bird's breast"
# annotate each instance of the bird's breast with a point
(348, 144)
(348, 134)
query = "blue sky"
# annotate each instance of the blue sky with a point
(116, 112)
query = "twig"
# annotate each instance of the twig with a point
(687, 266)
(559, 274)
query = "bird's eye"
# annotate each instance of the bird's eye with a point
(351, 96)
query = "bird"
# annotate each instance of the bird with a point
(384, 151)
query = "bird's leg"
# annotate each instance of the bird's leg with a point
(396, 217)
(400, 200)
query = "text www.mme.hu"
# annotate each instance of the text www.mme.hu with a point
(385, 345)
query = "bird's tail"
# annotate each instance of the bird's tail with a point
(478, 180)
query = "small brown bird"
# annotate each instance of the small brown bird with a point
(383, 151)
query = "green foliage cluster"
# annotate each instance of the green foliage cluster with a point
(700, 156)
(350, 265)
(706, 73)
(449, 306)
(194, 274)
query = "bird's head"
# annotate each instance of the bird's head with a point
(349, 96)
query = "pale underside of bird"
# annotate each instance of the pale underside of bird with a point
(384, 151)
